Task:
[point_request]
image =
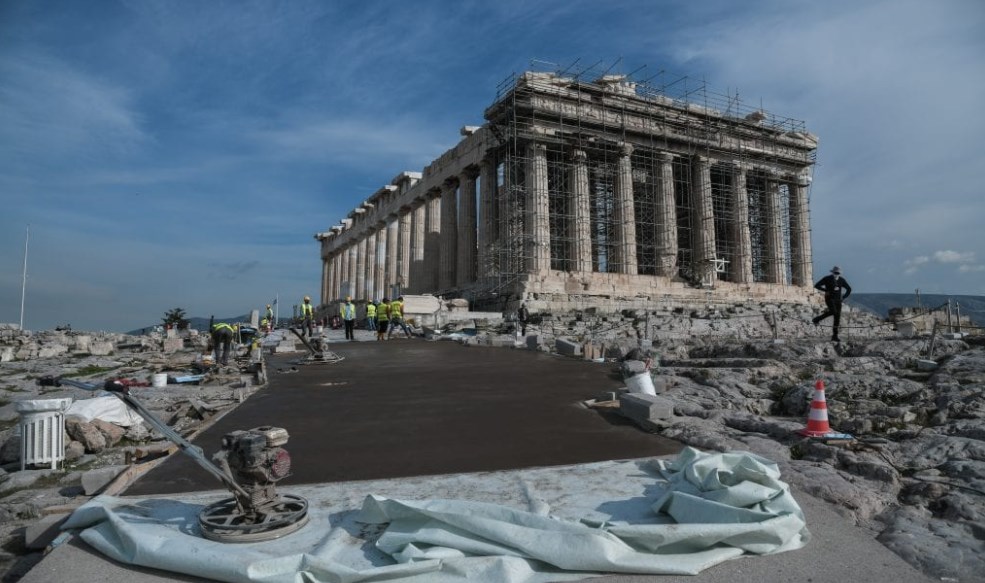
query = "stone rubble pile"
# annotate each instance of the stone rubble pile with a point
(96, 451)
(743, 378)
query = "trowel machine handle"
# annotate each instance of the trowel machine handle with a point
(122, 392)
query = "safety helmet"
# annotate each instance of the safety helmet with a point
(307, 298)
(268, 305)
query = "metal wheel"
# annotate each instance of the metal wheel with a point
(223, 522)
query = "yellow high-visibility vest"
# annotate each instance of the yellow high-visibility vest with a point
(383, 312)
(396, 309)
(370, 310)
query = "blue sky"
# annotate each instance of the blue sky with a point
(183, 153)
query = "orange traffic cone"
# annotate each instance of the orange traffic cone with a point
(817, 419)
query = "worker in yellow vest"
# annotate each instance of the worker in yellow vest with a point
(397, 317)
(382, 318)
(221, 334)
(371, 316)
(307, 317)
(269, 317)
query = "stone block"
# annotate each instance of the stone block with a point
(632, 368)
(74, 450)
(86, 433)
(907, 329)
(101, 348)
(645, 408)
(926, 365)
(534, 342)
(112, 433)
(11, 450)
(94, 481)
(591, 351)
(7, 354)
(39, 535)
(174, 344)
(567, 347)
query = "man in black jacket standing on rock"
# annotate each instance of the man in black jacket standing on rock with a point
(832, 286)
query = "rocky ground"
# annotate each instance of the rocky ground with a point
(743, 378)
(97, 452)
(739, 378)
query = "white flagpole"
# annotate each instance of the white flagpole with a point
(276, 308)
(27, 238)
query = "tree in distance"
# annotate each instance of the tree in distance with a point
(176, 319)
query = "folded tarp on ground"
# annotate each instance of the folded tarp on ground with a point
(108, 408)
(709, 508)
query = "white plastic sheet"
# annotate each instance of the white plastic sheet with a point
(109, 409)
(710, 508)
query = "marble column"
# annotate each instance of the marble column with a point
(580, 226)
(666, 218)
(392, 242)
(465, 270)
(417, 273)
(332, 274)
(369, 291)
(360, 269)
(536, 223)
(449, 235)
(325, 276)
(379, 273)
(403, 249)
(487, 216)
(336, 275)
(432, 242)
(351, 270)
(702, 219)
(740, 269)
(801, 258)
(775, 263)
(624, 214)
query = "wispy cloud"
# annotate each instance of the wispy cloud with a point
(948, 256)
(49, 109)
(966, 261)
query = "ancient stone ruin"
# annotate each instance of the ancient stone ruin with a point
(585, 190)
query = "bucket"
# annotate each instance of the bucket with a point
(641, 383)
(159, 380)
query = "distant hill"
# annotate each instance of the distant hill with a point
(879, 304)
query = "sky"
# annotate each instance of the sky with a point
(182, 154)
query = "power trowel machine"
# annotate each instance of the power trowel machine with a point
(249, 464)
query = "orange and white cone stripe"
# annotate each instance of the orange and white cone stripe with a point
(817, 419)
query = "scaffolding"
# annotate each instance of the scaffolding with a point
(707, 147)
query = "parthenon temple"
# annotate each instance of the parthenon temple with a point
(584, 190)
